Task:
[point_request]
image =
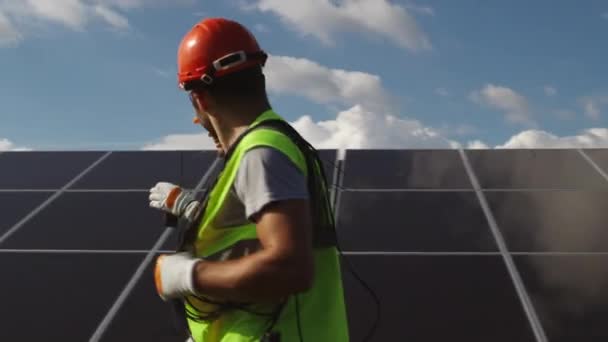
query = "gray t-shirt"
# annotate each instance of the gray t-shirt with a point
(265, 175)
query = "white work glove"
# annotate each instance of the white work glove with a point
(172, 199)
(173, 275)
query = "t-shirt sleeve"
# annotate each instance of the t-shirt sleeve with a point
(267, 175)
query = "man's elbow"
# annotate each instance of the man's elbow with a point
(305, 279)
(302, 278)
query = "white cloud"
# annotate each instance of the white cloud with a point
(17, 17)
(7, 145)
(71, 13)
(367, 123)
(477, 145)
(199, 141)
(605, 15)
(354, 128)
(442, 92)
(592, 105)
(550, 90)
(8, 33)
(299, 76)
(514, 105)
(589, 138)
(324, 19)
(358, 127)
(111, 17)
(130, 4)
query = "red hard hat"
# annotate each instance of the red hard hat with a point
(213, 48)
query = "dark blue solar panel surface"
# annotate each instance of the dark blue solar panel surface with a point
(436, 298)
(193, 167)
(330, 166)
(534, 169)
(16, 205)
(59, 297)
(42, 170)
(552, 221)
(413, 221)
(134, 170)
(600, 157)
(447, 280)
(397, 169)
(101, 220)
(144, 316)
(570, 293)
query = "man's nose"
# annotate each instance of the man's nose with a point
(196, 120)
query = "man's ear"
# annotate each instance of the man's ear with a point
(201, 100)
(208, 102)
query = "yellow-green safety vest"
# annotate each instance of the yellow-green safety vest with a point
(321, 310)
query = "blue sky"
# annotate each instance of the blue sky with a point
(100, 74)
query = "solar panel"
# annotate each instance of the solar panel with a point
(398, 169)
(436, 298)
(134, 170)
(144, 316)
(194, 165)
(15, 205)
(413, 221)
(42, 170)
(552, 221)
(460, 245)
(330, 166)
(97, 220)
(599, 157)
(59, 297)
(534, 169)
(570, 294)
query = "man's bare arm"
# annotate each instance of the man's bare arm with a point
(283, 266)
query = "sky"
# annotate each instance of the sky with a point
(101, 74)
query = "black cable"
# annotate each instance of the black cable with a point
(298, 319)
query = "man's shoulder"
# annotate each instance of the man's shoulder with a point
(265, 158)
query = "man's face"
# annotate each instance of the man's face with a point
(202, 118)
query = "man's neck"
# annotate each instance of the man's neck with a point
(232, 125)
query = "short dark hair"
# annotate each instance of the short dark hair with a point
(248, 84)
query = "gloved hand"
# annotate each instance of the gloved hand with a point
(173, 275)
(173, 199)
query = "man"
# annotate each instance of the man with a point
(256, 263)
